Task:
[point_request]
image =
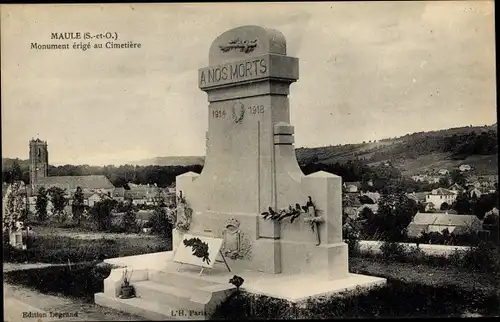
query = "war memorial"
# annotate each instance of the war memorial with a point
(253, 213)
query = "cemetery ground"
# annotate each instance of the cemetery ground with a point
(63, 269)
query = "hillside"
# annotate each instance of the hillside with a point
(171, 161)
(411, 154)
(418, 152)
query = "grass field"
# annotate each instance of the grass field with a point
(481, 164)
(63, 245)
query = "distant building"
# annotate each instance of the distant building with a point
(473, 184)
(97, 197)
(437, 222)
(475, 192)
(440, 196)
(456, 188)
(95, 183)
(429, 207)
(119, 194)
(443, 172)
(419, 178)
(419, 197)
(352, 186)
(39, 164)
(464, 167)
(375, 196)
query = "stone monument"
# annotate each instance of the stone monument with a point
(275, 227)
(250, 163)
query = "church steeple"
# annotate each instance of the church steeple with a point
(39, 160)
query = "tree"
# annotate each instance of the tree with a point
(364, 199)
(161, 222)
(130, 217)
(458, 177)
(484, 204)
(444, 182)
(78, 205)
(462, 205)
(444, 206)
(59, 201)
(490, 223)
(101, 213)
(14, 205)
(395, 212)
(41, 204)
(16, 172)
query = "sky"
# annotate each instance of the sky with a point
(367, 71)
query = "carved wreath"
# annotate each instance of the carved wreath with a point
(182, 215)
(238, 118)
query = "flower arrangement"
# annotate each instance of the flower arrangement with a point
(127, 290)
(237, 281)
(292, 212)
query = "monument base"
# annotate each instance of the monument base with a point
(167, 290)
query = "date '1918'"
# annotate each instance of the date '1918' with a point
(256, 109)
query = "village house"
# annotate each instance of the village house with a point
(456, 188)
(97, 197)
(443, 172)
(473, 184)
(352, 186)
(119, 194)
(419, 178)
(475, 193)
(419, 197)
(425, 178)
(437, 222)
(375, 196)
(138, 197)
(464, 167)
(440, 196)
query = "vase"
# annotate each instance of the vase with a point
(176, 238)
(127, 291)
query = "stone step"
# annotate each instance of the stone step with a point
(148, 309)
(179, 279)
(174, 296)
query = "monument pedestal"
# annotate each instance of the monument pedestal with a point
(164, 293)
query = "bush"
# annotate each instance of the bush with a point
(418, 301)
(77, 280)
(159, 223)
(484, 258)
(393, 251)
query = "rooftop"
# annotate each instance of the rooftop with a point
(72, 182)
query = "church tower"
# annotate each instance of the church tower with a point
(39, 160)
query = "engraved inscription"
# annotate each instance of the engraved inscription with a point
(256, 109)
(218, 114)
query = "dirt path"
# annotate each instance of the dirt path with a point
(8, 267)
(18, 299)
